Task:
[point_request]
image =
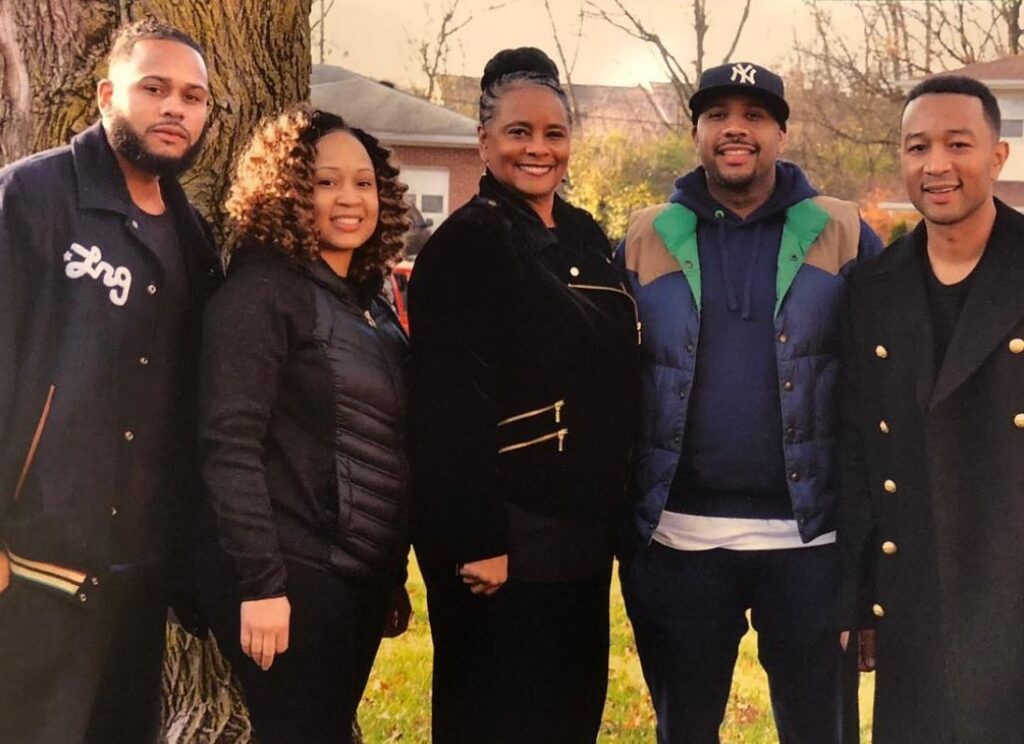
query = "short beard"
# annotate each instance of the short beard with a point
(127, 143)
(738, 185)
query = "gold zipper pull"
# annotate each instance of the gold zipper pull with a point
(561, 438)
(558, 411)
(639, 334)
(369, 319)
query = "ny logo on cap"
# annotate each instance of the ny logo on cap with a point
(745, 73)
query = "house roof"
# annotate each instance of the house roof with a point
(393, 116)
(1007, 72)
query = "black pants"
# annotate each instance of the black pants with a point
(71, 673)
(688, 614)
(527, 664)
(311, 692)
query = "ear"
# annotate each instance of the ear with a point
(783, 140)
(999, 156)
(104, 93)
(693, 133)
(481, 138)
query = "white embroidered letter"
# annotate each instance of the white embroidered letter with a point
(92, 265)
(744, 72)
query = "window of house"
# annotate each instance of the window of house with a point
(1012, 128)
(431, 203)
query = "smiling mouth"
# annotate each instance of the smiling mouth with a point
(346, 223)
(174, 132)
(941, 189)
(535, 170)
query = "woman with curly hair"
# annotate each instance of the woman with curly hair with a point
(302, 427)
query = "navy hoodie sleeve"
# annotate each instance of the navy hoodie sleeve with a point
(244, 350)
(455, 310)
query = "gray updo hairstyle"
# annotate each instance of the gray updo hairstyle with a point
(514, 68)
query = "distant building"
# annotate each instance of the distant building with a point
(435, 147)
(1006, 79)
(637, 112)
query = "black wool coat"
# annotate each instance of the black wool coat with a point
(933, 495)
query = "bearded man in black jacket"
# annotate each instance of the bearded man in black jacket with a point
(103, 268)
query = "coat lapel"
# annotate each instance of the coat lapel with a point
(994, 305)
(903, 307)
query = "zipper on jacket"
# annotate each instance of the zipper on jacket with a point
(559, 435)
(369, 319)
(31, 455)
(556, 407)
(622, 291)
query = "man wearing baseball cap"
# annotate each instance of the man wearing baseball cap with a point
(739, 281)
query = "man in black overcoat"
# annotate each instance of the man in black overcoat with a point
(933, 497)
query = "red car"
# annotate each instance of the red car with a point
(399, 280)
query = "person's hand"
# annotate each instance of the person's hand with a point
(265, 629)
(396, 621)
(865, 648)
(5, 570)
(486, 576)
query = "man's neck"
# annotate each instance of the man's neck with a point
(954, 250)
(742, 203)
(143, 187)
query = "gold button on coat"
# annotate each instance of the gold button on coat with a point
(881, 352)
(1018, 420)
(1017, 345)
(889, 547)
(877, 610)
(883, 426)
(889, 486)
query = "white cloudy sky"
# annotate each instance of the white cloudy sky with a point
(373, 36)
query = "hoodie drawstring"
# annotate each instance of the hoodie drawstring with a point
(732, 301)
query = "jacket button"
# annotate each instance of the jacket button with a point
(135, 225)
(889, 486)
(1018, 420)
(689, 348)
(573, 271)
(682, 394)
(82, 597)
(877, 610)
(881, 352)
(677, 439)
(94, 581)
(151, 288)
(787, 385)
(687, 265)
(113, 511)
(1017, 345)
(143, 360)
(129, 435)
(783, 338)
(889, 547)
(794, 476)
(790, 431)
(883, 426)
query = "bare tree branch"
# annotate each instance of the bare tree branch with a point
(567, 68)
(739, 30)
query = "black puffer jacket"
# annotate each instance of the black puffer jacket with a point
(302, 424)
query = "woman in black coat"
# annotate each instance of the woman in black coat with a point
(524, 357)
(302, 427)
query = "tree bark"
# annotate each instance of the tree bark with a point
(52, 53)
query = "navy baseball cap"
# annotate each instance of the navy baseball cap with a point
(741, 77)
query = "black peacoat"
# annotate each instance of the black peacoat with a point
(932, 518)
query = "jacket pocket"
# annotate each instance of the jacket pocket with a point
(555, 408)
(346, 498)
(30, 456)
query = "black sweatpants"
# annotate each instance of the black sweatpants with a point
(527, 664)
(311, 692)
(90, 673)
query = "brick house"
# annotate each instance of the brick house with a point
(436, 148)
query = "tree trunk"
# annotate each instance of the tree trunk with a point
(52, 52)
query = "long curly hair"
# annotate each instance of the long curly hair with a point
(271, 198)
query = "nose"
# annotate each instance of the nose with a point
(938, 161)
(735, 126)
(346, 194)
(536, 145)
(172, 107)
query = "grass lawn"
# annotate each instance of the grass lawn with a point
(396, 706)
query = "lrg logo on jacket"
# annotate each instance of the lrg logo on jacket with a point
(92, 265)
